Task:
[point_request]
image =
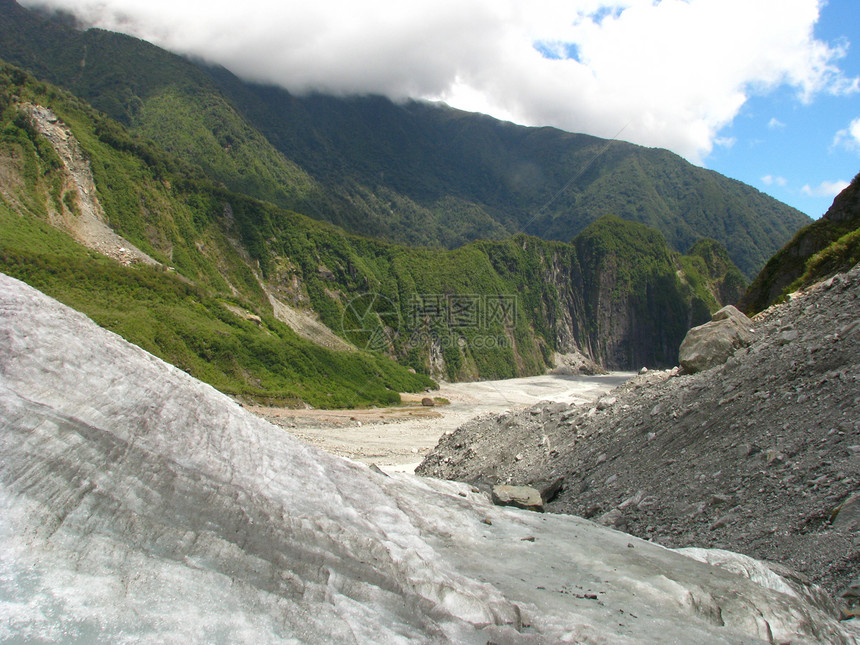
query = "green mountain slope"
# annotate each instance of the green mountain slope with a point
(540, 181)
(725, 281)
(413, 173)
(208, 314)
(162, 96)
(825, 247)
(223, 265)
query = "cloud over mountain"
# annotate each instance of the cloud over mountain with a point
(826, 188)
(668, 74)
(849, 137)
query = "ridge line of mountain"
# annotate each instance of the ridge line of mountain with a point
(415, 173)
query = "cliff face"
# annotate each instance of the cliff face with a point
(638, 300)
(622, 297)
(616, 294)
(846, 206)
(571, 330)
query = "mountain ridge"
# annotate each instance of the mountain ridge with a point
(537, 180)
(417, 174)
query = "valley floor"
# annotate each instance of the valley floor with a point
(397, 439)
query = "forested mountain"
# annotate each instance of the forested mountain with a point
(414, 173)
(215, 281)
(182, 208)
(506, 178)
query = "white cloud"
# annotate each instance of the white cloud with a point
(849, 137)
(671, 73)
(770, 180)
(775, 124)
(825, 188)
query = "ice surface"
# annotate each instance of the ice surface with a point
(138, 505)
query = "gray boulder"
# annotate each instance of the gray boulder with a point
(524, 497)
(712, 344)
(847, 514)
(575, 362)
(614, 518)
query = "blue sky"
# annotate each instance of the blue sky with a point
(763, 91)
(791, 149)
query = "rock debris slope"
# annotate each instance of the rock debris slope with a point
(755, 455)
(139, 505)
(88, 224)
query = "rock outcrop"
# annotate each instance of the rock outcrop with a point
(524, 497)
(574, 363)
(789, 264)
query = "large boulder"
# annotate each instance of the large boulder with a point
(712, 344)
(847, 514)
(524, 497)
(575, 362)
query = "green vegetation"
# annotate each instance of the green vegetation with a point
(202, 128)
(156, 202)
(164, 97)
(174, 320)
(839, 256)
(448, 161)
(709, 260)
(489, 309)
(825, 247)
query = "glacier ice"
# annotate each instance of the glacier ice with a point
(138, 505)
